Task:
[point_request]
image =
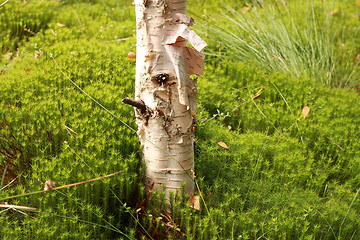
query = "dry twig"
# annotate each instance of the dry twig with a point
(1, 5)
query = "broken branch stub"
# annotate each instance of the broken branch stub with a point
(139, 104)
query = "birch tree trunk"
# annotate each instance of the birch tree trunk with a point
(165, 95)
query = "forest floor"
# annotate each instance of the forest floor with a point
(277, 151)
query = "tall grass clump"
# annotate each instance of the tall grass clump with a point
(286, 37)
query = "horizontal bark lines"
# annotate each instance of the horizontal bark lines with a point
(163, 66)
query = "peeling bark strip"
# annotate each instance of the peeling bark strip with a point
(163, 66)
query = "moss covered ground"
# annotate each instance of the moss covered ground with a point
(63, 73)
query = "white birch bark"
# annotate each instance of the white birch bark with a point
(165, 93)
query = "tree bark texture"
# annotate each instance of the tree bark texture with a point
(165, 84)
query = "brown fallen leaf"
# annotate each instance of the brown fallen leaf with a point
(37, 55)
(335, 11)
(358, 58)
(245, 9)
(195, 202)
(49, 184)
(222, 144)
(60, 25)
(305, 111)
(27, 71)
(131, 56)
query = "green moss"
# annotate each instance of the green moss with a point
(270, 183)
